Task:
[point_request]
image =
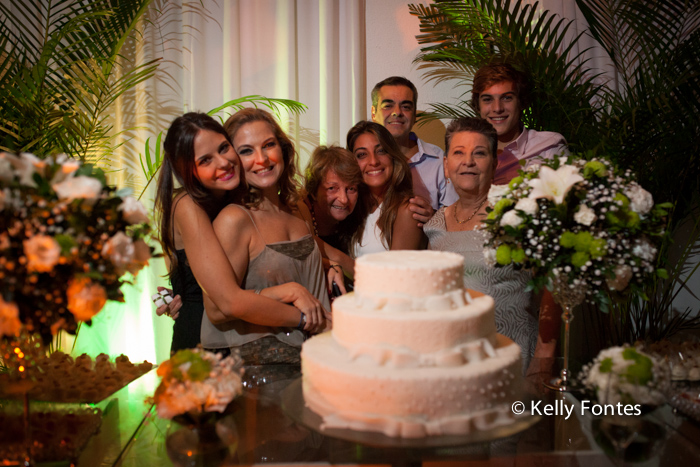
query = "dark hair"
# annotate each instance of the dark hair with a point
(495, 73)
(341, 161)
(400, 187)
(179, 163)
(474, 125)
(288, 182)
(394, 81)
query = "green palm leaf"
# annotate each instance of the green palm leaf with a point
(57, 73)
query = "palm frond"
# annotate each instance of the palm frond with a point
(58, 73)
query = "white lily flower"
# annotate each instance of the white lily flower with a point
(554, 185)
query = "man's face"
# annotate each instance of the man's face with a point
(499, 105)
(395, 110)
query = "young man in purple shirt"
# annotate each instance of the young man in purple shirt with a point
(499, 94)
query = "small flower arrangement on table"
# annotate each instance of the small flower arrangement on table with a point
(627, 375)
(577, 224)
(195, 383)
(67, 239)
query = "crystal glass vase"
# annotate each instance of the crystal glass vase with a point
(567, 296)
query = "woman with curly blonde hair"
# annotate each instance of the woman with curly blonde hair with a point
(267, 242)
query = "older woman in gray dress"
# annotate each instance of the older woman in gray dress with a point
(470, 162)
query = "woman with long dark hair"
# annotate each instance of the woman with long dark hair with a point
(390, 224)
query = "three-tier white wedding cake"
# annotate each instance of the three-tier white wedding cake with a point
(412, 353)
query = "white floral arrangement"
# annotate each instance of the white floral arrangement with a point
(627, 375)
(579, 221)
(67, 239)
(194, 382)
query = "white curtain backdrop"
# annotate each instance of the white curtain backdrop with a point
(318, 52)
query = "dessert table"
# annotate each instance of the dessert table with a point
(131, 435)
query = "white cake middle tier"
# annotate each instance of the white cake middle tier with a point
(415, 338)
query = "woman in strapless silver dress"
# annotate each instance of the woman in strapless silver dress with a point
(470, 162)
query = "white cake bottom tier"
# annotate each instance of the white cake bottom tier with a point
(410, 403)
(423, 332)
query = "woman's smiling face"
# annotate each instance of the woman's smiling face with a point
(260, 153)
(469, 163)
(375, 163)
(216, 163)
(336, 197)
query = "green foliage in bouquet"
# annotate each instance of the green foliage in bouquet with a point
(582, 221)
(67, 239)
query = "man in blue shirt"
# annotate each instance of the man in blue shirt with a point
(394, 107)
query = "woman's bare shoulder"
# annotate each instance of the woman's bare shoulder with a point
(184, 207)
(233, 215)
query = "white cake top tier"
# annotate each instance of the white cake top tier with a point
(408, 273)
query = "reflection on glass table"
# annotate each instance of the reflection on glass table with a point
(266, 434)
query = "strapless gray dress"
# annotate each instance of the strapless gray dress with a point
(278, 263)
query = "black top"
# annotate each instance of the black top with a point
(186, 331)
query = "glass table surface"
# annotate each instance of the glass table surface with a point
(266, 434)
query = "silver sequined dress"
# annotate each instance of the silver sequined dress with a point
(516, 313)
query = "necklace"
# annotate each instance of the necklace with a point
(473, 214)
(313, 216)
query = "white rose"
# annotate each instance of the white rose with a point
(78, 187)
(623, 274)
(527, 205)
(6, 170)
(10, 324)
(119, 249)
(142, 253)
(22, 166)
(67, 169)
(585, 215)
(42, 252)
(511, 218)
(134, 211)
(641, 201)
(497, 192)
(37, 164)
(644, 250)
(490, 256)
